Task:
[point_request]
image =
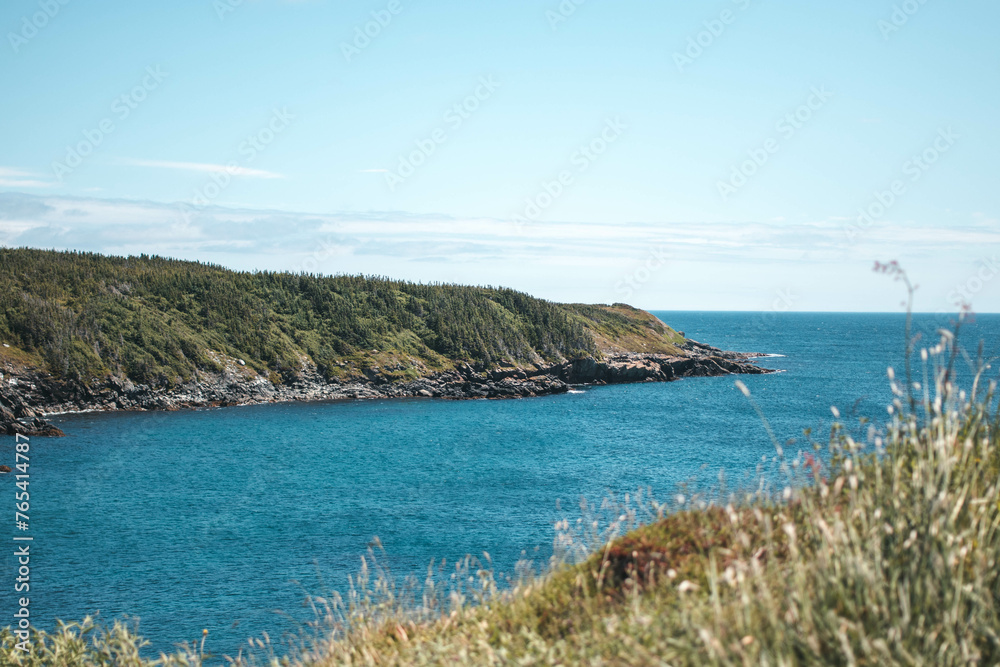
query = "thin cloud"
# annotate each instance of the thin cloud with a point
(234, 170)
(137, 226)
(23, 183)
(18, 178)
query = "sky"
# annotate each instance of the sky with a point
(719, 155)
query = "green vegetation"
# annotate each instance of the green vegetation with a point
(156, 321)
(885, 553)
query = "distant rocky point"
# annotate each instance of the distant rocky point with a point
(82, 331)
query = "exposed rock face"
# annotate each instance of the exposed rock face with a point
(17, 417)
(26, 394)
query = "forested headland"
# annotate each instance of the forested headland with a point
(84, 316)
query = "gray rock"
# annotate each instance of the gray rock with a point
(29, 393)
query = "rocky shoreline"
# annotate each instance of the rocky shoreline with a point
(26, 396)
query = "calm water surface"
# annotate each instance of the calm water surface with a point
(219, 519)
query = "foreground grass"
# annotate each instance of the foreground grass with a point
(885, 554)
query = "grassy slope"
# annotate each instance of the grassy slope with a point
(622, 328)
(155, 320)
(885, 555)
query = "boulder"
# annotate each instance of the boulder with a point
(34, 428)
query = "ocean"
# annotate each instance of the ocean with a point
(226, 519)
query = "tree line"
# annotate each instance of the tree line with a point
(154, 319)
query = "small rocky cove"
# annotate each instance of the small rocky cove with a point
(27, 395)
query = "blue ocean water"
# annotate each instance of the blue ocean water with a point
(225, 519)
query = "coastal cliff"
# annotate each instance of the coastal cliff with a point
(80, 331)
(26, 395)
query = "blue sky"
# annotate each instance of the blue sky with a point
(695, 155)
